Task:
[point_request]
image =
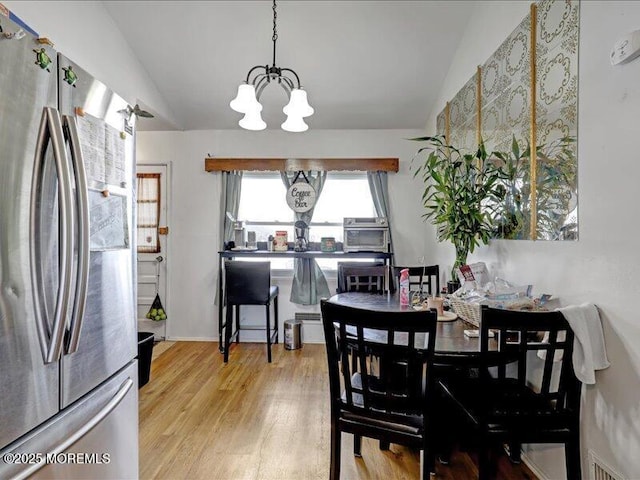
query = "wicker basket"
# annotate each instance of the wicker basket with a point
(469, 312)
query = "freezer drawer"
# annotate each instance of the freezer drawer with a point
(96, 437)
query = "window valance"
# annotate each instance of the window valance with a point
(296, 164)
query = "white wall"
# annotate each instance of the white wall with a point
(602, 266)
(194, 207)
(86, 33)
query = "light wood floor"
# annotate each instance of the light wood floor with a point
(250, 420)
(160, 347)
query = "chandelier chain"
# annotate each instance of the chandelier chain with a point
(275, 33)
(275, 16)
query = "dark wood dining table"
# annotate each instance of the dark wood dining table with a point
(453, 347)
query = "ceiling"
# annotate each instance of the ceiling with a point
(364, 64)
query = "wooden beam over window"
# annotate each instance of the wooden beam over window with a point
(296, 164)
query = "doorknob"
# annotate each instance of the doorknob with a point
(159, 258)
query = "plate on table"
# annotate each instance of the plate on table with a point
(447, 316)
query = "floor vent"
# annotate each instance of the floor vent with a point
(308, 317)
(600, 470)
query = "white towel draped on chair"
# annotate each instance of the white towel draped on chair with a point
(589, 351)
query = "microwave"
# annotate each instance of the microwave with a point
(366, 234)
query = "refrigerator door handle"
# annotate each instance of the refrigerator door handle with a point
(82, 206)
(51, 336)
(82, 431)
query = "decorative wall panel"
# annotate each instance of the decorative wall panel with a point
(441, 123)
(505, 91)
(557, 38)
(505, 115)
(496, 105)
(463, 117)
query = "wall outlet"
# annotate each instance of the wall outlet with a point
(626, 48)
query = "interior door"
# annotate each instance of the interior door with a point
(152, 249)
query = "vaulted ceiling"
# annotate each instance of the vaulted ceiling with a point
(364, 64)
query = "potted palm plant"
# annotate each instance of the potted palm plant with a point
(459, 188)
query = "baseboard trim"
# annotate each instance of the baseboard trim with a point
(246, 333)
(192, 339)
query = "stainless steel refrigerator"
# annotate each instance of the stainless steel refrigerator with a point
(68, 373)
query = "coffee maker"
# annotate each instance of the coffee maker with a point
(239, 234)
(302, 233)
(238, 239)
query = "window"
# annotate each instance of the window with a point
(264, 209)
(148, 203)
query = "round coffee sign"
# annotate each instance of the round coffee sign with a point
(301, 197)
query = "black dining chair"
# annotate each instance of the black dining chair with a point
(530, 395)
(249, 283)
(365, 278)
(376, 404)
(425, 278)
(342, 278)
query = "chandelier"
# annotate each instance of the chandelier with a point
(258, 78)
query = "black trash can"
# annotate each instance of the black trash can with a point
(145, 350)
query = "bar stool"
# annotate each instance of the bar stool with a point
(249, 283)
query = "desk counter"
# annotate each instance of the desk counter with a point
(308, 254)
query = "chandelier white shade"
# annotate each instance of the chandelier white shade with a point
(247, 98)
(298, 105)
(252, 121)
(294, 124)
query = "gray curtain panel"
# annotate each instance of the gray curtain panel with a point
(231, 184)
(309, 284)
(229, 202)
(379, 186)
